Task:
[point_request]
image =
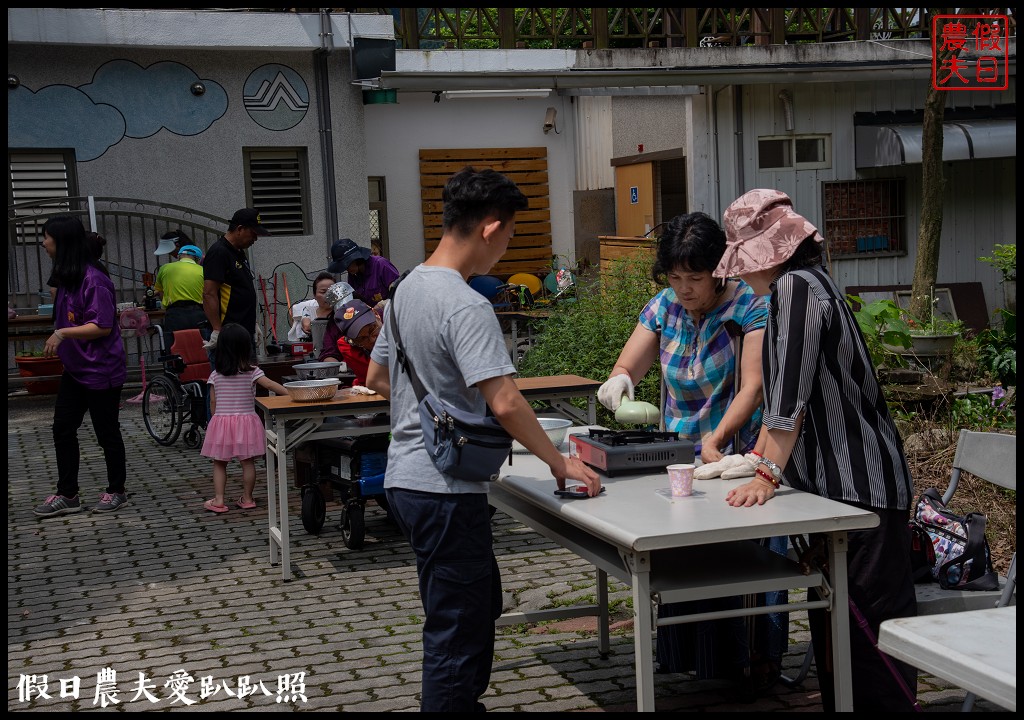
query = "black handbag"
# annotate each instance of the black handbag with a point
(461, 444)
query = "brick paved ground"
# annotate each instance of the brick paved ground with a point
(163, 586)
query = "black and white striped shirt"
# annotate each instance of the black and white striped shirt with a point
(816, 359)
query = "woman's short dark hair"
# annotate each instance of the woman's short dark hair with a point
(694, 242)
(321, 277)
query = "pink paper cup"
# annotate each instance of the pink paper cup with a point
(680, 477)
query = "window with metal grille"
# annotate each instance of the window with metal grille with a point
(277, 185)
(865, 217)
(37, 176)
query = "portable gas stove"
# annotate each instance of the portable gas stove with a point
(619, 452)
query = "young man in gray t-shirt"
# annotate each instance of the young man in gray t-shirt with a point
(457, 349)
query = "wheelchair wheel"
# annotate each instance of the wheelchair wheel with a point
(353, 526)
(193, 437)
(314, 509)
(162, 410)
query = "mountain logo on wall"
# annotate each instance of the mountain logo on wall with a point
(276, 97)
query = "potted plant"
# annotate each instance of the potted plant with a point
(35, 365)
(1004, 259)
(934, 335)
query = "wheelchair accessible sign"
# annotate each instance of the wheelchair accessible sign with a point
(634, 195)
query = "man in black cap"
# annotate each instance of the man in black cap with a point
(369, 275)
(229, 292)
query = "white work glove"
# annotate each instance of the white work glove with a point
(740, 469)
(212, 342)
(362, 390)
(716, 469)
(614, 388)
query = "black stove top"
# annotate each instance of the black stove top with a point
(618, 438)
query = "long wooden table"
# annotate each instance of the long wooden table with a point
(289, 424)
(675, 549)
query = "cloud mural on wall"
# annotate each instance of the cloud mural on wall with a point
(60, 116)
(156, 97)
(124, 100)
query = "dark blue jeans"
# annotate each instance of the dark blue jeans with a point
(460, 587)
(73, 399)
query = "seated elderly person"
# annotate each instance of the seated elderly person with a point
(358, 325)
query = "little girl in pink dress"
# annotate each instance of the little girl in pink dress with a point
(235, 430)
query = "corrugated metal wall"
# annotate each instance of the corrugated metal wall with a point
(980, 207)
(593, 120)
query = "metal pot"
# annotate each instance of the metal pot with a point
(317, 370)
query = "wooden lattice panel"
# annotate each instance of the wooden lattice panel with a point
(530, 249)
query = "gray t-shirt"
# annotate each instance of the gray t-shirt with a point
(453, 339)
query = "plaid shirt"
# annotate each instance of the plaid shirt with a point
(698, 362)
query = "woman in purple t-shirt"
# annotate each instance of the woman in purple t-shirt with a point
(369, 275)
(87, 340)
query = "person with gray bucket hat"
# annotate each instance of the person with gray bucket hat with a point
(369, 275)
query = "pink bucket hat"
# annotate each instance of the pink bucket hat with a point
(761, 231)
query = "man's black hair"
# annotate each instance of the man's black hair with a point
(472, 195)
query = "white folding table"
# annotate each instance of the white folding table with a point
(288, 424)
(675, 549)
(973, 649)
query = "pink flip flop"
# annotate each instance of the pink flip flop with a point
(246, 505)
(213, 507)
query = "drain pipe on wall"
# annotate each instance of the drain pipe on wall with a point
(323, 104)
(741, 186)
(718, 157)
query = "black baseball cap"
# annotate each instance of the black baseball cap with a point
(247, 217)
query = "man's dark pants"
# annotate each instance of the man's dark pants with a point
(460, 587)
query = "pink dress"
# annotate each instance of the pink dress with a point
(235, 430)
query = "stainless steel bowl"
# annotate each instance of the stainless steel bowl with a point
(312, 390)
(555, 428)
(317, 370)
(338, 294)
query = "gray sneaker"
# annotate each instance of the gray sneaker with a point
(58, 505)
(109, 502)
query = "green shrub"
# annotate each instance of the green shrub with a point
(997, 349)
(585, 336)
(884, 326)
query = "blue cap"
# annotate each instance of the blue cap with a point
(190, 250)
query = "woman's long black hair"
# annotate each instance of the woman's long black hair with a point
(74, 253)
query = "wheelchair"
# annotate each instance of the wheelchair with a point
(176, 398)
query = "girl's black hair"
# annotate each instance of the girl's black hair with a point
(74, 250)
(234, 350)
(693, 241)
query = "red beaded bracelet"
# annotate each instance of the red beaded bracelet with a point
(767, 476)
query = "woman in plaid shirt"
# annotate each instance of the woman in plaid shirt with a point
(688, 327)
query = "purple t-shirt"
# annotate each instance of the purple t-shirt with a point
(372, 286)
(98, 364)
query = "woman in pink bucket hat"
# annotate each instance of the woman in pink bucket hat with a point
(826, 429)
